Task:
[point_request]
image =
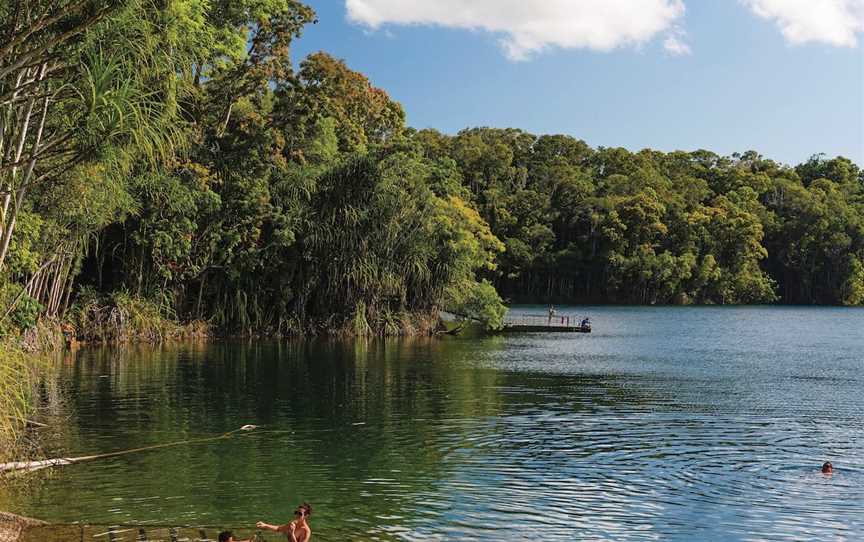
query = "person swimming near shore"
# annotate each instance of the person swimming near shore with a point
(296, 531)
(827, 468)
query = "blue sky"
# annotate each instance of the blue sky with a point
(782, 77)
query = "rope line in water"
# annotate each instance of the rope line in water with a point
(62, 461)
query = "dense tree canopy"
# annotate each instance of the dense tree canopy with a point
(172, 153)
(608, 225)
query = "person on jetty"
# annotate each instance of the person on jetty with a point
(827, 468)
(298, 530)
(228, 536)
(551, 313)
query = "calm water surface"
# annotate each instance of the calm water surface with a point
(665, 423)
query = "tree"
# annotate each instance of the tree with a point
(364, 115)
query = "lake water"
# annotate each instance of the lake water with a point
(663, 424)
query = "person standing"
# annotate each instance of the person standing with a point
(296, 531)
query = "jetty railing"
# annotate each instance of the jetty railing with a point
(543, 320)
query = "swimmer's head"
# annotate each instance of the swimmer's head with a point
(827, 467)
(303, 511)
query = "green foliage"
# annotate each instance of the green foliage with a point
(197, 177)
(19, 376)
(25, 313)
(478, 301)
(380, 239)
(853, 286)
(25, 251)
(364, 115)
(608, 225)
(360, 325)
(121, 317)
(817, 232)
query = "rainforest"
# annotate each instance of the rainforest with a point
(167, 165)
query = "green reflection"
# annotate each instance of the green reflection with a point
(360, 429)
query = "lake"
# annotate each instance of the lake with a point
(664, 423)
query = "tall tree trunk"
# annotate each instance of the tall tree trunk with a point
(8, 154)
(67, 294)
(200, 295)
(11, 216)
(30, 287)
(57, 288)
(37, 287)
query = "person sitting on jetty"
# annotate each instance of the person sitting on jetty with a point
(228, 536)
(298, 530)
(827, 468)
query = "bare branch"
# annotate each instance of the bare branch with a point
(36, 53)
(29, 283)
(50, 149)
(29, 173)
(13, 101)
(61, 168)
(41, 23)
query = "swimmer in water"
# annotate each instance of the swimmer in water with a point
(296, 531)
(827, 468)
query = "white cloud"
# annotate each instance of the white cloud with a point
(835, 22)
(529, 26)
(675, 44)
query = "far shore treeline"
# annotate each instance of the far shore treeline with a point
(164, 160)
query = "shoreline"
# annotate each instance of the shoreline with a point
(14, 527)
(17, 528)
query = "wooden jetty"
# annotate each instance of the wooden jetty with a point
(529, 323)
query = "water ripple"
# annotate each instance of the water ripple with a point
(666, 424)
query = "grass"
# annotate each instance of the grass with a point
(20, 374)
(384, 323)
(122, 318)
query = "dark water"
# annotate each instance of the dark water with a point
(665, 423)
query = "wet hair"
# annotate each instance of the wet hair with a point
(225, 536)
(306, 508)
(827, 467)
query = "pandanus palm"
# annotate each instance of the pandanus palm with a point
(94, 89)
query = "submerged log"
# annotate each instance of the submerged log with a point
(36, 465)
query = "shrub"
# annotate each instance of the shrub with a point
(26, 311)
(122, 317)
